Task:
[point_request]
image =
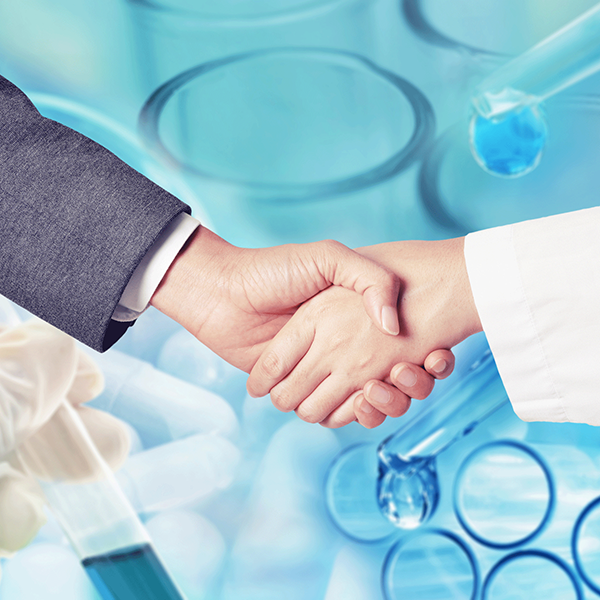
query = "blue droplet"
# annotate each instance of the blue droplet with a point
(509, 145)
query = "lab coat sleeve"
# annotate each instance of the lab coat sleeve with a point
(75, 222)
(536, 286)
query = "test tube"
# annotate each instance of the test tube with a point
(104, 530)
(562, 59)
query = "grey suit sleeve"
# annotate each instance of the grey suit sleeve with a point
(75, 221)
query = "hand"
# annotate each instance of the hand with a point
(234, 300)
(379, 399)
(40, 367)
(328, 351)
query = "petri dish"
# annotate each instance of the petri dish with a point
(290, 126)
(488, 27)
(503, 494)
(351, 495)
(585, 545)
(430, 565)
(459, 194)
(531, 574)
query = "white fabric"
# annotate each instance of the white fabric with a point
(149, 273)
(536, 287)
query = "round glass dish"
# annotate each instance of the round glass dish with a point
(291, 144)
(430, 565)
(503, 494)
(585, 545)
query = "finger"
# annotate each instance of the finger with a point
(366, 414)
(440, 363)
(21, 510)
(280, 357)
(88, 382)
(326, 397)
(414, 381)
(379, 286)
(340, 417)
(386, 398)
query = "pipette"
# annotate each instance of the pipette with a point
(95, 515)
(508, 129)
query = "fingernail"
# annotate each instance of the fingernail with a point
(388, 320)
(366, 407)
(440, 366)
(406, 377)
(379, 394)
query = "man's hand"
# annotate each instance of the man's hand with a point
(235, 300)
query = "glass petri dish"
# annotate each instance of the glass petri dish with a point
(488, 27)
(585, 545)
(503, 494)
(286, 125)
(351, 495)
(460, 195)
(531, 574)
(430, 565)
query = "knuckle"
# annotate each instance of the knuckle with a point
(272, 365)
(281, 399)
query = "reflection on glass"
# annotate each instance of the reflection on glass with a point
(503, 494)
(292, 144)
(430, 565)
(531, 574)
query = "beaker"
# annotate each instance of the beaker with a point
(504, 494)
(172, 36)
(585, 545)
(293, 144)
(430, 565)
(457, 193)
(531, 574)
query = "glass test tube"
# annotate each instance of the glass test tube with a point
(407, 484)
(564, 58)
(101, 525)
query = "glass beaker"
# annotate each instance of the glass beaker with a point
(457, 193)
(174, 35)
(293, 144)
(504, 494)
(430, 565)
(531, 574)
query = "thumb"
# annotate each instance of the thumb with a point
(379, 287)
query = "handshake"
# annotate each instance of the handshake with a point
(334, 334)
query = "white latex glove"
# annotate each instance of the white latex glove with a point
(39, 367)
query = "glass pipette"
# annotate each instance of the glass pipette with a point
(104, 530)
(557, 62)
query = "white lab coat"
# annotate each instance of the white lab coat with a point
(536, 286)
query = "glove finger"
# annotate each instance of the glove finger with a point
(88, 382)
(21, 510)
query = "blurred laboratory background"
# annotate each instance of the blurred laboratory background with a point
(292, 121)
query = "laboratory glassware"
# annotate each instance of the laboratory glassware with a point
(172, 36)
(406, 485)
(294, 144)
(584, 545)
(504, 494)
(531, 573)
(429, 565)
(460, 195)
(99, 522)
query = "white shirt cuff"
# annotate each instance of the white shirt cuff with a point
(152, 268)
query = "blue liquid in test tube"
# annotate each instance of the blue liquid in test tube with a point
(131, 573)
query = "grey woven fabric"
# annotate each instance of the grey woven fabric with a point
(75, 221)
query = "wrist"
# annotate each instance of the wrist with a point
(190, 288)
